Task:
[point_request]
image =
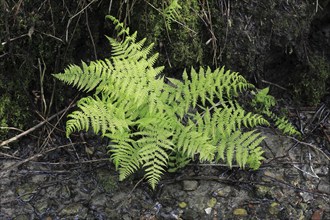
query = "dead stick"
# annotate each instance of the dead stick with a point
(7, 169)
(6, 142)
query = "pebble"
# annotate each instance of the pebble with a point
(262, 191)
(306, 196)
(190, 185)
(208, 210)
(240, 212)
(191, 214)
(98, 201)
(324, 186)
(317, 215)
(26, 191)
(22, 217)
(72, 209)
(183, 205)
(274, 208)
(322, 171)
(224, 192)
(119, 197)
(269, 175)
(211, 203)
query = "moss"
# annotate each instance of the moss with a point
(312, 86)
(11, 114)
(179, 47)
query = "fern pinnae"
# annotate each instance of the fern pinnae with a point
(171, 12)
(231, 147)
(126, 158)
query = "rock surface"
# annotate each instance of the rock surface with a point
(291, 184)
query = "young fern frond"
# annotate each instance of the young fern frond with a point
(263, 102)
(171, 13)
(158, 126)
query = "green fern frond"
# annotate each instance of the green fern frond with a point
(125, 154)
(158, 126)
(177, 160)
(255, 157)
(171, 13)
(263, 102)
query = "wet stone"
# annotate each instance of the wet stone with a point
(126, 217)
(317, 215)
(41, 206)
(190, 214)
(73, 209)
(211, 203)
(112, 213)
(273, 174)
(22, 217)
(190, 185)
(65, 192)
(306, 196)
(224, 192)
(183, 205)
(208, 210)
(119, 197)
(98, 201)
(26, 191)
(324, 186)
(322, 171)
(262, 191)
(52, 192)
(240, 212)
(274, 208)
(80, 195)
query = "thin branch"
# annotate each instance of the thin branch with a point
(68, 25)
(7, 169)
(307, 173)
(310, 145)
(6, 142)
(91, 35)
(273, 84)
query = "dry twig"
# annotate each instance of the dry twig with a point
(6, 142)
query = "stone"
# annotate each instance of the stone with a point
(98, 201)
(72, 209)
(211, 203)
(223, 192)
(317, 215)
(274, 208)
(41, 206)
(208, 210)
(273, 174)
(322, 171)
(306, 196)
(183, 205)
(190, 185)
(262, 191)
(324, 186)
(119, 197)
(26, 191)
(126, 217)
(190, 214)
(22, 217)
(240, 212)
(65, 192)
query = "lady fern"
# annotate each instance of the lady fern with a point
(160, 126)
(171, 12)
